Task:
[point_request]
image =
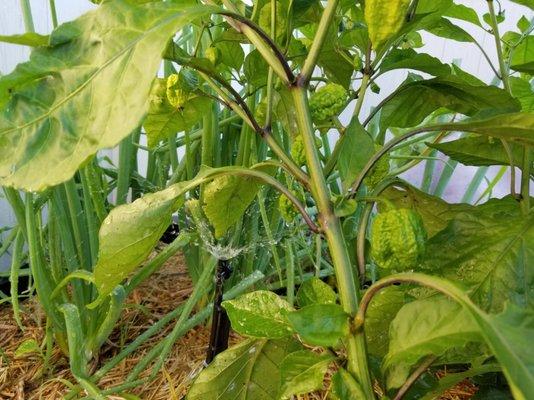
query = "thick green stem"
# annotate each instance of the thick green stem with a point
(498, 46)
(525, 177)
(125, 169)
(318, 40)
(53, 13)
(361, 94)
(27, 15)
(331, 226)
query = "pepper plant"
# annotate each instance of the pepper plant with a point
(258, 90)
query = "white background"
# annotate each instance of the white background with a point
(11, 22)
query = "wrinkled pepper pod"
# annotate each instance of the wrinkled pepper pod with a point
(398, 239)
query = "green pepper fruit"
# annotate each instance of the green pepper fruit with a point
(287, 209)
(213, 54)
(398, 239)
(378, 172)
(328, 101)
(297, 151)
(178, 90)
(261, 113)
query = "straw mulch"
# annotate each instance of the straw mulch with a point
(25, 378)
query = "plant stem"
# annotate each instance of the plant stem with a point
(525, 180)
(361, 94)
(53, 13)
(525, 175)
(16, 259)
(498, 46)
(27, 15)
(318, 40)
(414, 376)
(348, 292)
(126, 148)
(290, 272)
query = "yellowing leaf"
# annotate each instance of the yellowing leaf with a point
(29, 346)
(86, 91)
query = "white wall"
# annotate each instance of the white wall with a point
(11, 22)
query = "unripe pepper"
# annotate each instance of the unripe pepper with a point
(297, 150)
(398, 239)
(378, 172)
(178, 90)
(213, 54)
(328, 101)
(287, 209)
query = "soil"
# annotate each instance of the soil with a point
(26, 378)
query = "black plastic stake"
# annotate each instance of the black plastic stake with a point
(220, 325)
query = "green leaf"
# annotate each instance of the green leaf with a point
(29, 346)
(526, 3)
(335, 61)
(522, 90)
(345, 387)
(446, 29)
(384, 18)
(76, 337)
(523, 56)
(479, 151)
(517, 127)
(247, 371)
(356, 37)
(232, 54)
(130, 232)
(283, 109)
(226, 199)
(410, 59)
(523, 24)
(430, 326)
(414, 101)
(464, 13)
(163, 119)
(320, 324)
(144, 220)
(508, 334)
(255, 69)
(382, 310)
(303, 372)
(490, 248)
(260, 314)
(357, 147)
(315, 291)
(84, 92)
(31, 39)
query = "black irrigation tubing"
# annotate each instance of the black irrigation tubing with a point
(220, 325)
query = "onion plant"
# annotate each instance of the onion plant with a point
(240, 110)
